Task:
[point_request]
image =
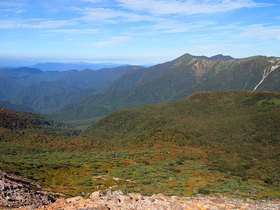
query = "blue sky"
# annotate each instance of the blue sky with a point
(137, 31)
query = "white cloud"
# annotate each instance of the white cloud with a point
(238, 31)
(166, 7)
(12, 10)
(170, 26)
(167, 25)
(111, 42)
(109, 15)
(34, 24)
(74, 31)
(10, 4)
(259, 31)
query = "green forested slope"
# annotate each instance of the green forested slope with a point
(206, 116)
(47, 97)
(218, 142)
(13, 80)
(239, 123)
(241, 74)
(172, 81)
(31, 122)
(48, 91)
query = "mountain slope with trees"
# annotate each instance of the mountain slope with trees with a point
(48, 91)
(8, 105)
(216, 142)
(172, 81)
(243, 124)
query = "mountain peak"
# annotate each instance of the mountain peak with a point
(218, 57)
(221, 57)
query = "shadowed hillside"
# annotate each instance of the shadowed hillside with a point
(31, 122)
(46, 91)
(6, 104)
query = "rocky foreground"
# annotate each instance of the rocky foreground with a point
(19, 193)
(121, 200)
(16, 191)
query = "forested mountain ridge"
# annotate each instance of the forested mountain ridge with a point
(25, 123)
(174, 80)
(13, 80)
(83, 97)
(48, 91)
(254, 73)
(218, 109)
(8, 105)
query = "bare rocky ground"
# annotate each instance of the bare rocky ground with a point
(16, 191)
(120, 200)
(19, 193)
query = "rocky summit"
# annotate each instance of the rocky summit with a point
(121, 200)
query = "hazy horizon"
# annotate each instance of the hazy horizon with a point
(137, 32)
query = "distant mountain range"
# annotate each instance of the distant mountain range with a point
(54, 66)
(46, 91)
(50, 66)
(8, 105)
(83, 96)
(174, 80)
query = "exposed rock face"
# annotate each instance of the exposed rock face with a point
(121, 200)
(16, 191)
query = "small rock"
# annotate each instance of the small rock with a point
(151, 199)
(114, 201)
(136, 197)
(175, 197)
(219, 200)
(118, 192)
(102, 208)
(74, 199)
(60, 202)
(124, 198)
(19, 198)
(159, 196)
(2, 185)
(32, 207)
(177, 207)
(96, 195)
(110, 193)
(12, 198)
(222, 206)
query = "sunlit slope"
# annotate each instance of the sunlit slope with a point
(210, 142)
(175, 80)
(220, 116)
